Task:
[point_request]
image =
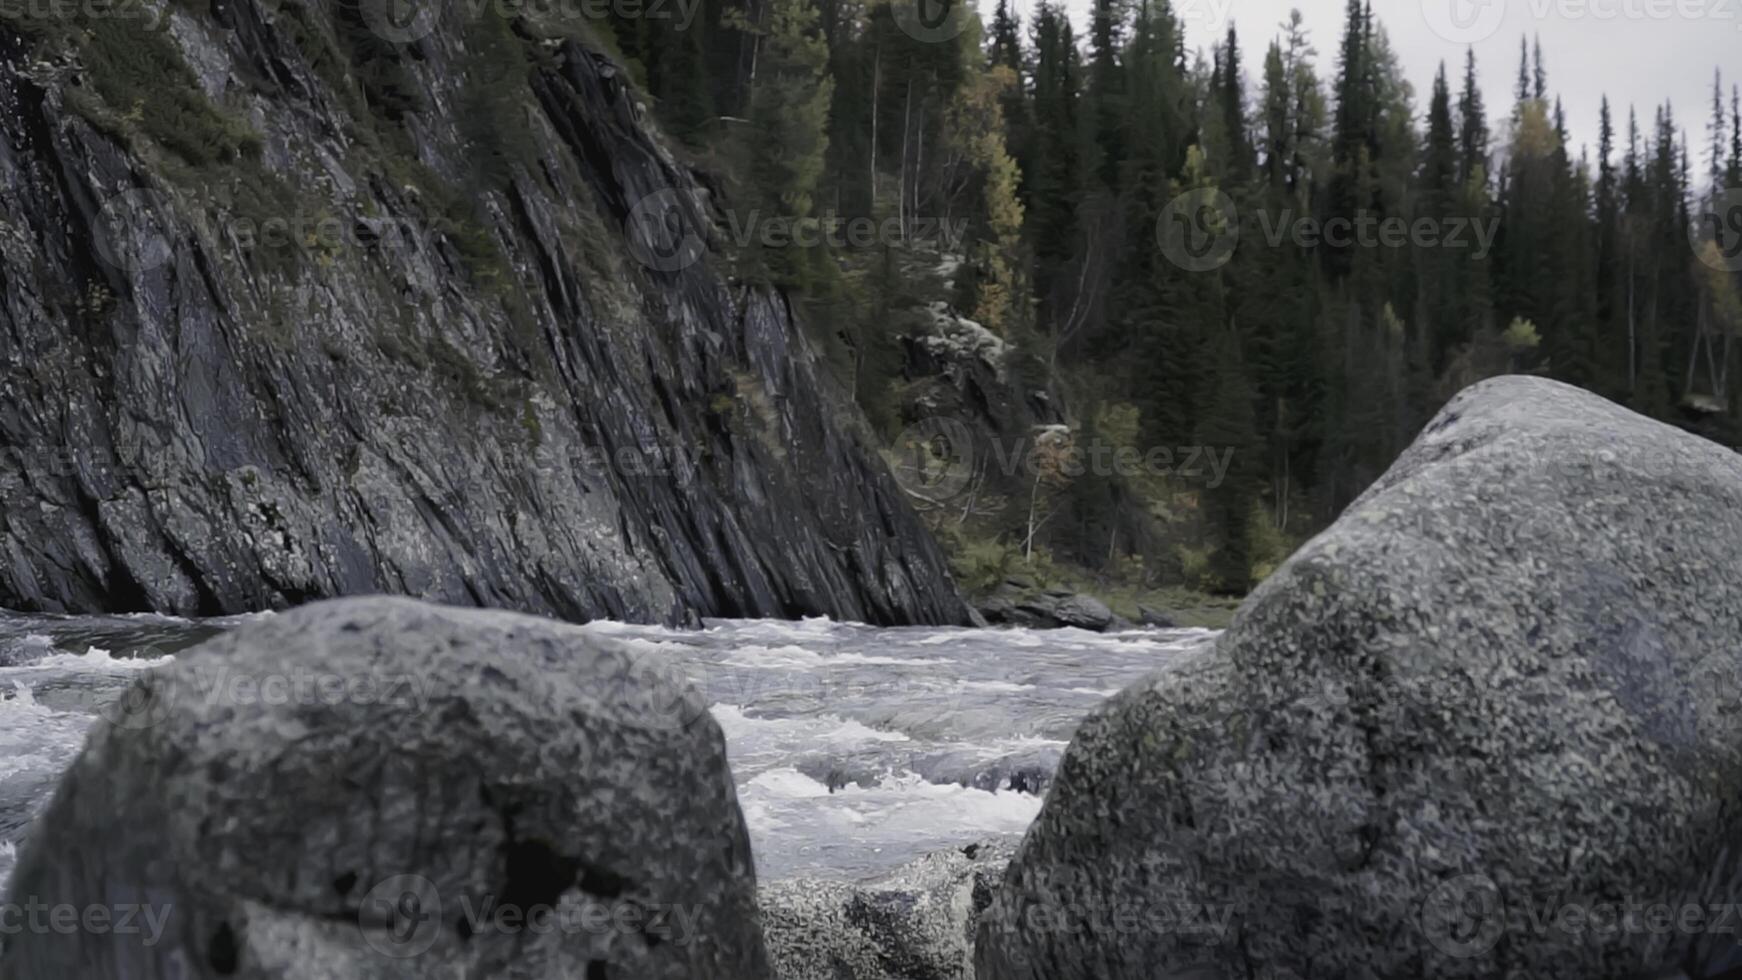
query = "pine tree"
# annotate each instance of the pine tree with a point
(1735, 175)
(1440, 187)
(1053, 185)
(1278, 129)
(974, 132)
(1007, 52)
(788, 126)
(1472, 123)
(1006, 38)
(1717, 132)
(1238, 166)
(1610, 365)
(1354, 139)
(1522, 92)
(1440, 156)
(1539, 75)
(1229, 427)
(1105, 96)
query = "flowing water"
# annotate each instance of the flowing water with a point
(855, 749)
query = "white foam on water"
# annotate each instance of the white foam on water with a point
(773, 658)
(1096, 691)
(861, 658)
(843, 700)
(831, 730)
(998, 687)
(786, 784)
(798, 827)
(1019, 743)
(613, 626)
(791, 657)
(98, 660)
(36, 741)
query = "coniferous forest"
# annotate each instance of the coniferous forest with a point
(1132, 263)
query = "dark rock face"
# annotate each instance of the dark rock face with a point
(353, 361)
(1460, 734)
(1155, 619)
(916, 923)
(1012, 605)
(379, 788)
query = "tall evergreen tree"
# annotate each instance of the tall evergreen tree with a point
(788, 126)
(1472, 123)
(1238, 166)
(1105, 95)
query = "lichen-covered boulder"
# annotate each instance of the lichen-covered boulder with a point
(1486, 725)
(915, 923)
(381, 789)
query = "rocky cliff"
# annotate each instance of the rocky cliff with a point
(298, 300)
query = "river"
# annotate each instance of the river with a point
(855, 749)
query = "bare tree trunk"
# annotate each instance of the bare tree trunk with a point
(918, 167)
(1724, 372)
(876, 86)
(1282, 501)
(906, 136)
(1694, 354)
(1033, 506)
(1632, 327)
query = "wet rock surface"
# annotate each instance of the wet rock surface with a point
(469, 769)
(1014, 604)
(1495, 703)
(916, 923)
(338, 358)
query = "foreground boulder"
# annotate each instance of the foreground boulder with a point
(915, 923)
(380, 788)
(1487, 725)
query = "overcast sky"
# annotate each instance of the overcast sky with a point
(1637, 51)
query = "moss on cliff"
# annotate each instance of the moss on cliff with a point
(139, 85)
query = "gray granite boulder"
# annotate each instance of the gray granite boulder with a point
(1155, 619)
(915, 923)
(1486, 725)
(378, 789)
(1084, 612)
(1009, 605)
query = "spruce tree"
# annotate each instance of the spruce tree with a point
(1228, 427)
(1472, 123)
(788, 128)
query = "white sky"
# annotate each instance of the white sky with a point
(1637, 51)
